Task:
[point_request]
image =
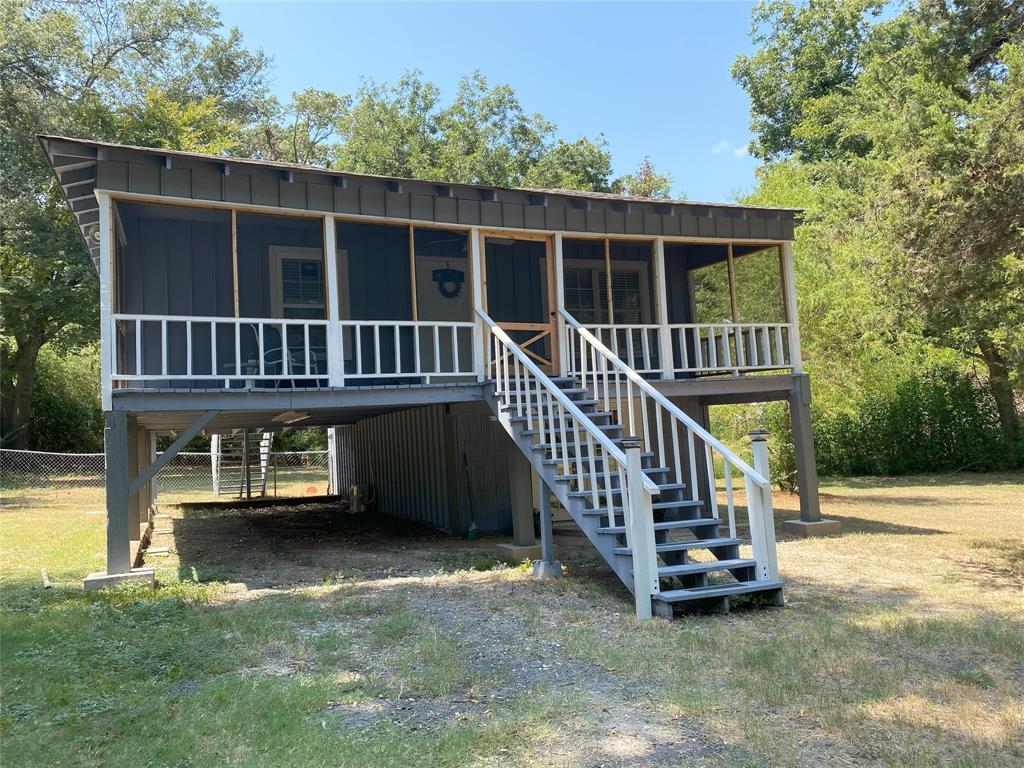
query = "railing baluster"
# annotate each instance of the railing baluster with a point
(645, 346)
(437, 348)
(138, 347)
(286, 357)
(662, 458)
(712, 483)
(565, 445)
(163, 347)
(456, 368)
(398, 350)
(780, 353)
(691, 454)
(305, 332)
(188, 348)
(416, 350)
(376, 349)
(727, 342)
(238, 349)
(358, 331)
(766, 348)
(676, 465)
(727, 470)
(712, 347)
(594, 499)
(213, 348)
(262, 351)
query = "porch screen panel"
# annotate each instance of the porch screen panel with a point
(172, 260)
(517, 289)
(375, 283)
(281, 275)
(443, 293)
(632, 283)
(582, 268)
(758, 278)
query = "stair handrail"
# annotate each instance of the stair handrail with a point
(758, 487)
(667, 404)
(617, 453)
(636, 489)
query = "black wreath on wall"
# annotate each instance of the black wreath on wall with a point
(449, 281)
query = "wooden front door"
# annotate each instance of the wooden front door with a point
(520, 284)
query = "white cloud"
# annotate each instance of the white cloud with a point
(720, 147)
(740, 152)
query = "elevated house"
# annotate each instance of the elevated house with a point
(476, 351)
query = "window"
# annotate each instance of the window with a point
(627, 296)
(584, 284)
(579, 294)
(297, 283)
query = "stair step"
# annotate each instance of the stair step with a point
(616, 490)
(670, 525)
(684, 546)
(645, 458)
(720, 590)
(581, 404)
(662, 505)
(586, 471)
(717, 565)
(592, 415)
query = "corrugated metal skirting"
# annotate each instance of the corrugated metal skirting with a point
(445, 466)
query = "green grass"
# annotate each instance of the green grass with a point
(900, 645)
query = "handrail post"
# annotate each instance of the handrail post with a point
(639, 525)
(335, 351)
(666, 354)
(789, 286)
(481, 364)
(764, 522)
(560, 330)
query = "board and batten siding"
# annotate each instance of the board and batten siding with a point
(441, 465)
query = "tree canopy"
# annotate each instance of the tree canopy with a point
(164, 73)
(905, 128)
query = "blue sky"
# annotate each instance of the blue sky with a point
(653, 77)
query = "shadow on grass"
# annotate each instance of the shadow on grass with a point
(288, 544)
(970, 479)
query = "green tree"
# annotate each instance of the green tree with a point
(644, 182)
(909, 129)
(483, 136)
(155, 73)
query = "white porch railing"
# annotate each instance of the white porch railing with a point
(638, 345)
(697, 348)
(677, 441)
(731, 347)
(159, 349)
(388, 349)
(573, 441)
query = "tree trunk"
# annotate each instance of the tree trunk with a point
(1002, 392)
(25, 365)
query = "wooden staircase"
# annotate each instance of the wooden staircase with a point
(578, 436)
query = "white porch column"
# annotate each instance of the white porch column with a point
(335, 351)
(789, 286)
(107, 340)
(661, 309)
(476, 268)
(563, 349)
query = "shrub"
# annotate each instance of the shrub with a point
(66, 413)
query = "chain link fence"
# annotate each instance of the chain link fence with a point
(54, 480)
